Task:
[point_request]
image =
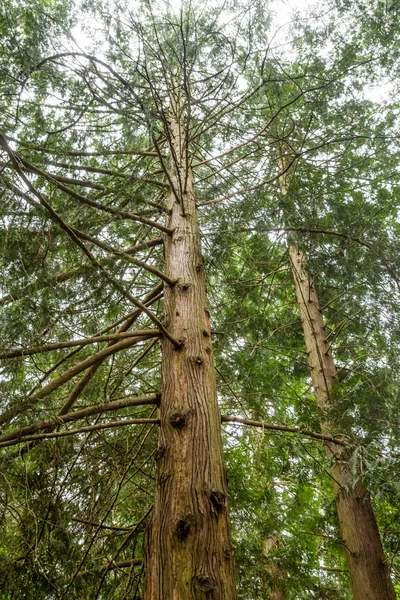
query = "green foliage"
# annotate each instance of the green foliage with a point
(90, 136)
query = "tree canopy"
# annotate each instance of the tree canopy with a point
(291, 132)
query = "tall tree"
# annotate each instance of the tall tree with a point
(189, 550)
(123, 164)
(367, 562)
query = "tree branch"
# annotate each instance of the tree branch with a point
(121, 564)
(69, 374)
(84, 199)
(98, 426)
(14, 352)
(80, 414)
(298, 430)
(127, 321)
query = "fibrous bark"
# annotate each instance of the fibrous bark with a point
(368, 567)
(276, 576)
(188, 552)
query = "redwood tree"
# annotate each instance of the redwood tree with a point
(368, 565)
(188, 548)
(138, 163)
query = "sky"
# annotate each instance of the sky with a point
(281, 9)
(279, 37)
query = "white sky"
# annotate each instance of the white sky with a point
(282, 11)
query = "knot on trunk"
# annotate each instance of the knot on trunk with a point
(197, 359)
(164, 477)
(180, 418)
(227, 551)
(217, 500)
(160, 452)
(204, 583)
(182, 527)
(180, 344)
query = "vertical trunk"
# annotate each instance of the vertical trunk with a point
(367, 565)
(277, 578)
(276, 594)
(188, 552)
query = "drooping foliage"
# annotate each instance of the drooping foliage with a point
(84, 177)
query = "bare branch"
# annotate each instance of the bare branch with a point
(298, 430)
(14, 352)
(58, 434)
(121, 564)
(69, 374)
(79, 414)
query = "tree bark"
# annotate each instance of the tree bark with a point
(367, 564)
(277, 577)
(188, 551)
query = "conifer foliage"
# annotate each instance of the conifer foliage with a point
(162, 435)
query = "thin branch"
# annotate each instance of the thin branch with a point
(121, 564)
(251, 188)
(67, 275)
(73, 236)
(298, 430)
(54, 215)
(124, 542)
(61, 179)
(110, 527)
(14, 352)
(128, 320)
(80, 414)
(71, 233)
(58, 434)
(125, 254)
(84, 199)
(67, 376)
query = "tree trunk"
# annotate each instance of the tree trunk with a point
(188, 551)
(368, 567)
(277, 578)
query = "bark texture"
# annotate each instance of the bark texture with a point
(188, 552)
(277, 577)
(368, 567)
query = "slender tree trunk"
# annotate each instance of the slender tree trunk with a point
(277, 577)
(276, 593)
(368, 567)
(188, 551)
